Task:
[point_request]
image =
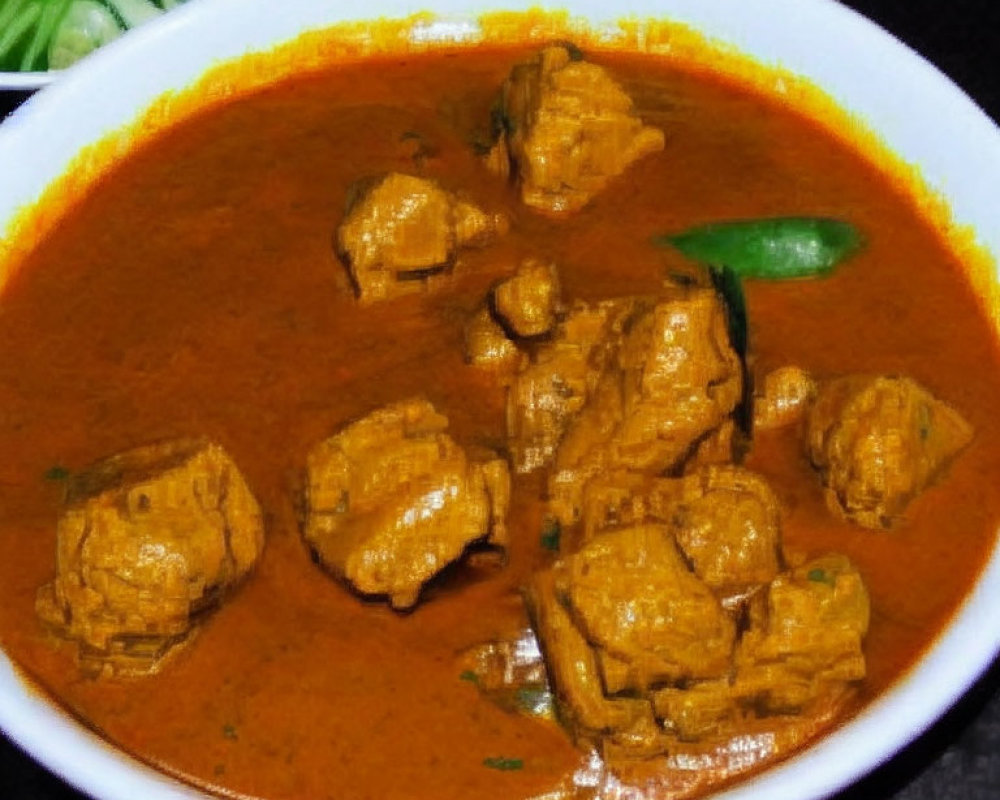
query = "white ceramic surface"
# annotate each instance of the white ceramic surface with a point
(25, 81)
(912, 106)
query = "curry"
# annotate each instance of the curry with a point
(212, 320)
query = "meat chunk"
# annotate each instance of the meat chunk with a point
(728, 523)
(701, 710)
(569, 129)
(634, 596)
(487, 344)
(725, 519)
(675, 380)
(621, 615)
(527, 303)
(783, 398)
(643, 657)
(147, 541)
(553, 386)
(399, 229)
(807, 640)
(877, 442)
(392, 500)
(589, 715)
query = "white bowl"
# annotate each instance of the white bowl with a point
(910, 105)
(25, 81)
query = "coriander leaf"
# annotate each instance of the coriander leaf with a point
(551, 534)
(56, 473)
(503, 764)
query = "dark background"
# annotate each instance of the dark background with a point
(958, 758)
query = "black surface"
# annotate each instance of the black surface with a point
(959, 758)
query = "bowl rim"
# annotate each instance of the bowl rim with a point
(26, 81)
(829, 44)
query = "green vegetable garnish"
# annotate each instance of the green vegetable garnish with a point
(17, 30)
(470, 676)
(35, 55)
(86, 26)
(819, 576)
(503, 764)
(778, 248)
(133, 13)
(730, 288)
(229, 731)
(56, 473)
(36, 35)
(551, 534)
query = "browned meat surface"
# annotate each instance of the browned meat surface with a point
(528, 302)
(728, 524)
(148, 539)
(569, 129)
(487, 344)
(675, 380)
(634, 596)
(725, 519)
(399, 229)
(582, 704)
(701, 710)
(642, 656)
(619, 617)
(782, 397)
(552, 387)
(392, 500)
(877, 442)
(806, 640)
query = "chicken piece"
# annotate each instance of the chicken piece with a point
(878, 442)
(392, 500)
(148, 540)
(551, 388)
(527, 302)
(399, 229)
(623, 499)
(701, 710)
(725, 519)
(619, 616)
(783, 398)
(806, 641)
(573, 674)
(616, 673)
(675, 381)
(569, 128)
(681, 379)
(728, 523)
(487, 344)
(633, 595)
(718, 446)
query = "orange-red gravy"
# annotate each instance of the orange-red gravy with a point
(195, 291)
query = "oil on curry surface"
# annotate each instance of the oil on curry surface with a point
(387, 448)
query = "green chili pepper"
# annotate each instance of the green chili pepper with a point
(778, 248)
